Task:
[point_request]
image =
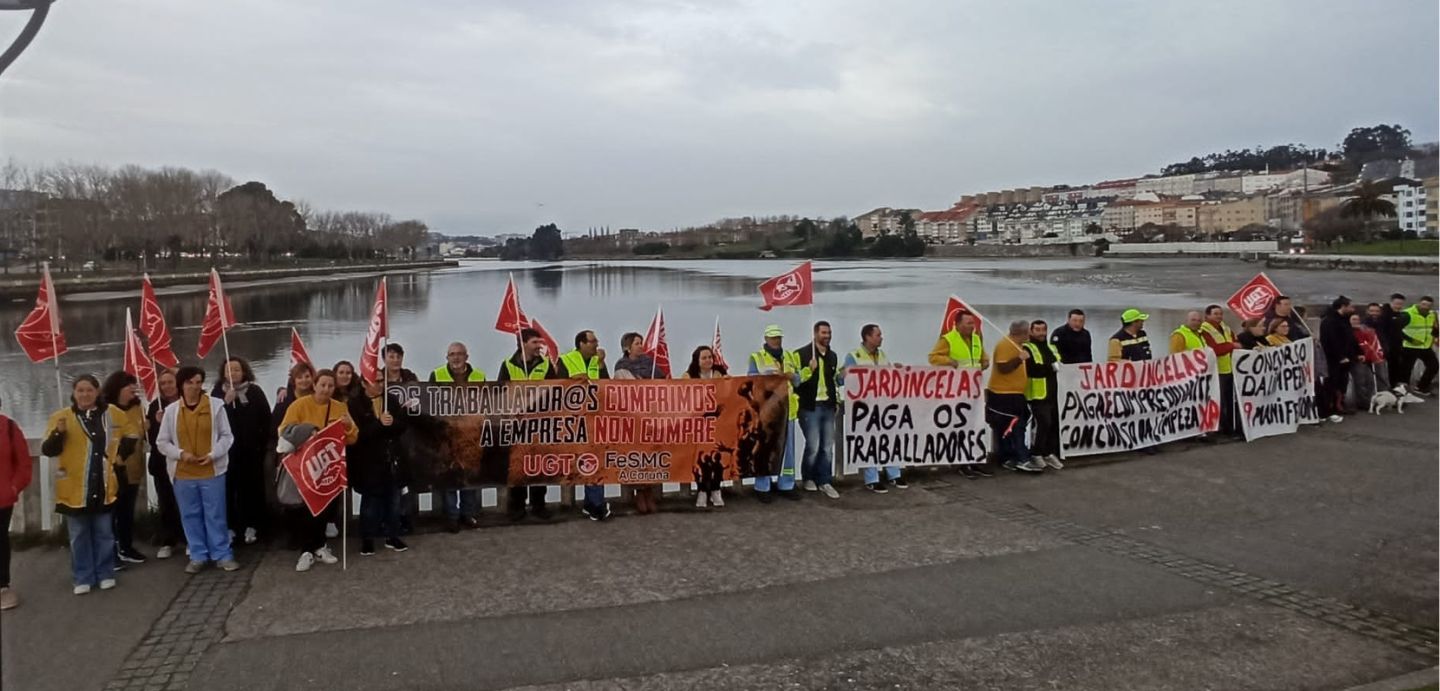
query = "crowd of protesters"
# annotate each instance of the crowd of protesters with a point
(207, 449)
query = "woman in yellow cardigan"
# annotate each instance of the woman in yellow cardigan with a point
(320, 408)
(120, 394)
(86, 439)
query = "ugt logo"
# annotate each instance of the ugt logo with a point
(325, 468)
(1257, 297)
(789, 288)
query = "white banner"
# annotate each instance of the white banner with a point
(914, 416)
(1275, 389)
(1106, 407)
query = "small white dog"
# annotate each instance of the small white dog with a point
(1389, 399)
(1403, 393)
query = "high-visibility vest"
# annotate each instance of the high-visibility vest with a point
(518, 373)
(765, 364)
(863, 357)
(575, 362)
(1192, 339)
(1420, 332)
(443, 376)
(1036, 388)
(967, 357)
(1221, 335)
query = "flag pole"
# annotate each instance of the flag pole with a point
(54, 308)
(656, 323)
(345, 526)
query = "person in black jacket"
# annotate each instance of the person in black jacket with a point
(169, 533)
(1072, 340)
(1342, 349)
(819, 395)
(1390, 325)
(249, 413)
(377, 467)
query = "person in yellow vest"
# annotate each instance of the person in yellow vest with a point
(528, 364)
(1418, 345)
(772, 358)
(587, 361)
(1006, 410)
(869, 354)
(819, 393)
(460, 505)
(86, 439)
(961, 346)
(195, 437)
(1219, 338)
(1040, 393)
(1187, 336)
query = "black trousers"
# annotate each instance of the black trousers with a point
(5, 546)
(169, 532)
(1046, 414)
(1227, 405)
(1339, 384)
(245, 491)
(122, 518)
(308, 532)
(536, 494)
(1412, 356)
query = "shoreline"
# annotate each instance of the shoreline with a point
(70, 287)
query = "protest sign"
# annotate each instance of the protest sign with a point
(911, 416)
(1107, 407)
(1275, 389)
(574, 431)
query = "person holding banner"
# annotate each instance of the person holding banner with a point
(1186, 337)
(195, 437)
(1220, 339)
(395, 372)
(819, 393)
(460, 504)
(248, 411)
(1005, 407)
(528, 364)
(377, 467)
(168, 532)
(869, 354)
(120, 393)
(1252, 335)
(1041, 391)
(319, 409)
(85, 440)
(1278, 333)
(707, 480)
(1283, 308)
(773, 358)
(1130, 342)
(587, 361)
(638, 364)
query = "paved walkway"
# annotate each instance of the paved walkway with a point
(1302, 562)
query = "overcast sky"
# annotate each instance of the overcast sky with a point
(471, 115)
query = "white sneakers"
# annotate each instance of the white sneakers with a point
(810, 486)
(250, 536)
(164, 552)
(827, 489)
(716, 500)
(307, 560)
(700, 500)
(331, 531)
(107, 584)
(1053, 461)
(82, 590)
(326, 556)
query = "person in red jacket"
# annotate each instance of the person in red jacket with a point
(1368, 372)
(15, 475)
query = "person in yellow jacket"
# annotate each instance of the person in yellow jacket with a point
(773, 358)
(1417, 344)
(119, 393)
(961, 346)
(1219, 338)
(319, 409)
(462, 503)
(85, 440)
(1187, 337)
(587, 361)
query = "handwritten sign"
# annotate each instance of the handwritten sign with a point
(914, 416)
(1275, 388)
(1106, 407)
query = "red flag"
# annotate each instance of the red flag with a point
(1254, 297)
(39, 335)
(953, 308)
(715, 346)
(298, 354)
(790, 289)
(219, 316)
(318, 467)
(511, 318)
(138, 364)
(552, 349)
(656, 346)
(152, 324)
(379, 328)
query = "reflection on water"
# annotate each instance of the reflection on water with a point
(429, 310)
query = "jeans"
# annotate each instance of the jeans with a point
(124, 512)
(92, 547)
(458, 503)
(1362, 379)
(871, 476)
(1047, 427)
(787, 465)
(380, 515)
(818, 463)
(594, 499)
(5, 546)
(202, 515)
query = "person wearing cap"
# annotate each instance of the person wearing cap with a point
(1130, 342)
(772, 358)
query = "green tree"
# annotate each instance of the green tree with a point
(1367, 204)
(806, 229)
(907, 222)
(546, 244)
(1381, 141)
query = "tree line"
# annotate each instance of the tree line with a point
(1360, 146)
(72, 214)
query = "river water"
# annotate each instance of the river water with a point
(429, 310)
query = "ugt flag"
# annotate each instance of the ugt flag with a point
(138, 364)
(318, 467)
(379, 328)
(219, 316)
(152, 324)
(39, 335)
(790, 289)
(656, 346)
(1253, 298)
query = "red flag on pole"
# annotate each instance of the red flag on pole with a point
(656, 346)
(511, 318)
(954, 307)
(1254, 298)
(318, 467)
(790, 289)
(379, 328)
(552, 349)
(39, 335)
(138, 364)
(715, 346)
(298, 354)
(219, 316)
(152, 325)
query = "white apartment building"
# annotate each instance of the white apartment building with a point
(1410, 207)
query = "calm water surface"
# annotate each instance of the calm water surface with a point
(428, 310)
